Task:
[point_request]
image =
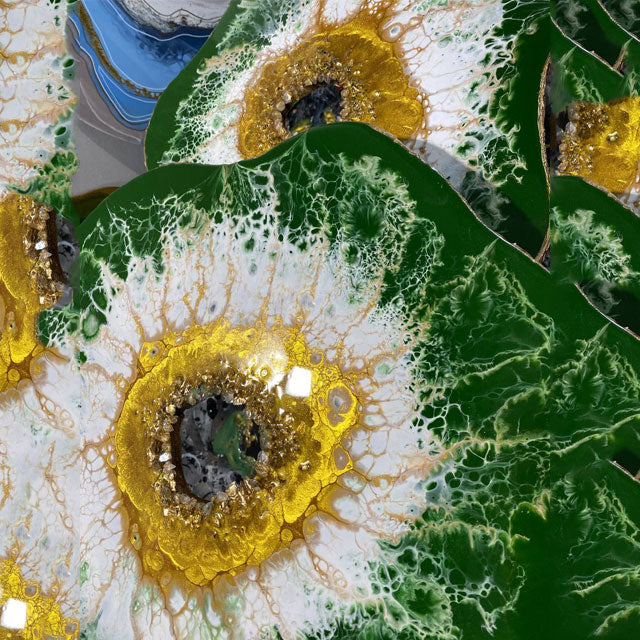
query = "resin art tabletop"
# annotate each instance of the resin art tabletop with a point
(320, 320)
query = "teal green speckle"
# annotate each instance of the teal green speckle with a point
(84, 573)
(227, 443)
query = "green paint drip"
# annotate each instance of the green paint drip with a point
(84, 572)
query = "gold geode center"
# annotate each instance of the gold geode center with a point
(278, 422)
(373, 86)
(602, 143)
(303, 407)
(30, 281)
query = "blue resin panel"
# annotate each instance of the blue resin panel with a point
(131, 65)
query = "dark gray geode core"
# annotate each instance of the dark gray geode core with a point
(312, 108)
(214, 451)
(68, 251)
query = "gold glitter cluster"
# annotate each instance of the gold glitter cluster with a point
(30, 281)
(180, 537)
(278, 425)
(602, 143)
(44, 616)
(40, 233)
(374, 88)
